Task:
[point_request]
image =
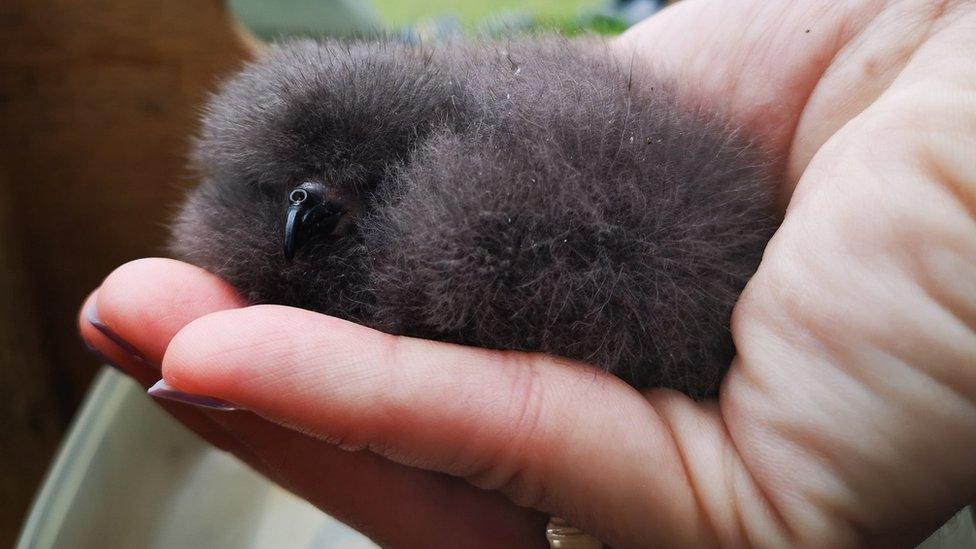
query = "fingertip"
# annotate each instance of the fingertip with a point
(214, 352)
(87, 332)
(137, 284)
(190, 361)
(146, 301)
(268, 353)
(81, 318)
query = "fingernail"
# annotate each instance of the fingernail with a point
(91, 314)
(92, 350)
(163, 390)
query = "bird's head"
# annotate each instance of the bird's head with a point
(291, 153)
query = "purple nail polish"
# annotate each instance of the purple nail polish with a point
(91, 314)
(92, 350)
(163, 390)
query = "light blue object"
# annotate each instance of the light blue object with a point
(316, 18)
(632, 11)
(129, 476)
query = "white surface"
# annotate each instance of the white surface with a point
(128, 476)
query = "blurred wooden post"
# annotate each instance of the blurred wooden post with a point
(97, 99)
(29, 424)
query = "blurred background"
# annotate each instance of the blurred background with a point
(97, 100)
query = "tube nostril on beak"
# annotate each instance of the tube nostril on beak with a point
(297, 196)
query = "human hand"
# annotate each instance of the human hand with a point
(847, 417)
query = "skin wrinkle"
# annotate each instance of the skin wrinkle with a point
(921, 270)
(754, 496)
(527, 490)
(844, 37)
(937, 349)
(801, 436)
(526, 396)
(930, 21)
(730, 467)
(856, 510)
(823, 441)
(773, 325)
(829, 59)
(703, 509)
(950, 404)
(954, 183)
(939, 377)
(865, 533)
(672, 443)
(735, 471)
(538, 459)
(801, 285)
(820, 511)
(782, 531)
(897, 240)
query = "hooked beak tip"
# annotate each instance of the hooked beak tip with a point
(291, 230)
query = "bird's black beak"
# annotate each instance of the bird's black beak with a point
(309, 213)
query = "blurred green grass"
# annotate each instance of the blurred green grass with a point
(470, 12)
(271, 19)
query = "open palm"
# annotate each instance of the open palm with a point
(848, 416)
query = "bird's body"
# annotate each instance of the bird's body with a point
(528, 194)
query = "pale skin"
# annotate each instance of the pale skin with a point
(847, 418)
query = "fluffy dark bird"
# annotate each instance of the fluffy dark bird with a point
(527, 194)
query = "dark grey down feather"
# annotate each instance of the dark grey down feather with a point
(528, 194)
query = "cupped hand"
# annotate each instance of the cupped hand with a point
(847, 418)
